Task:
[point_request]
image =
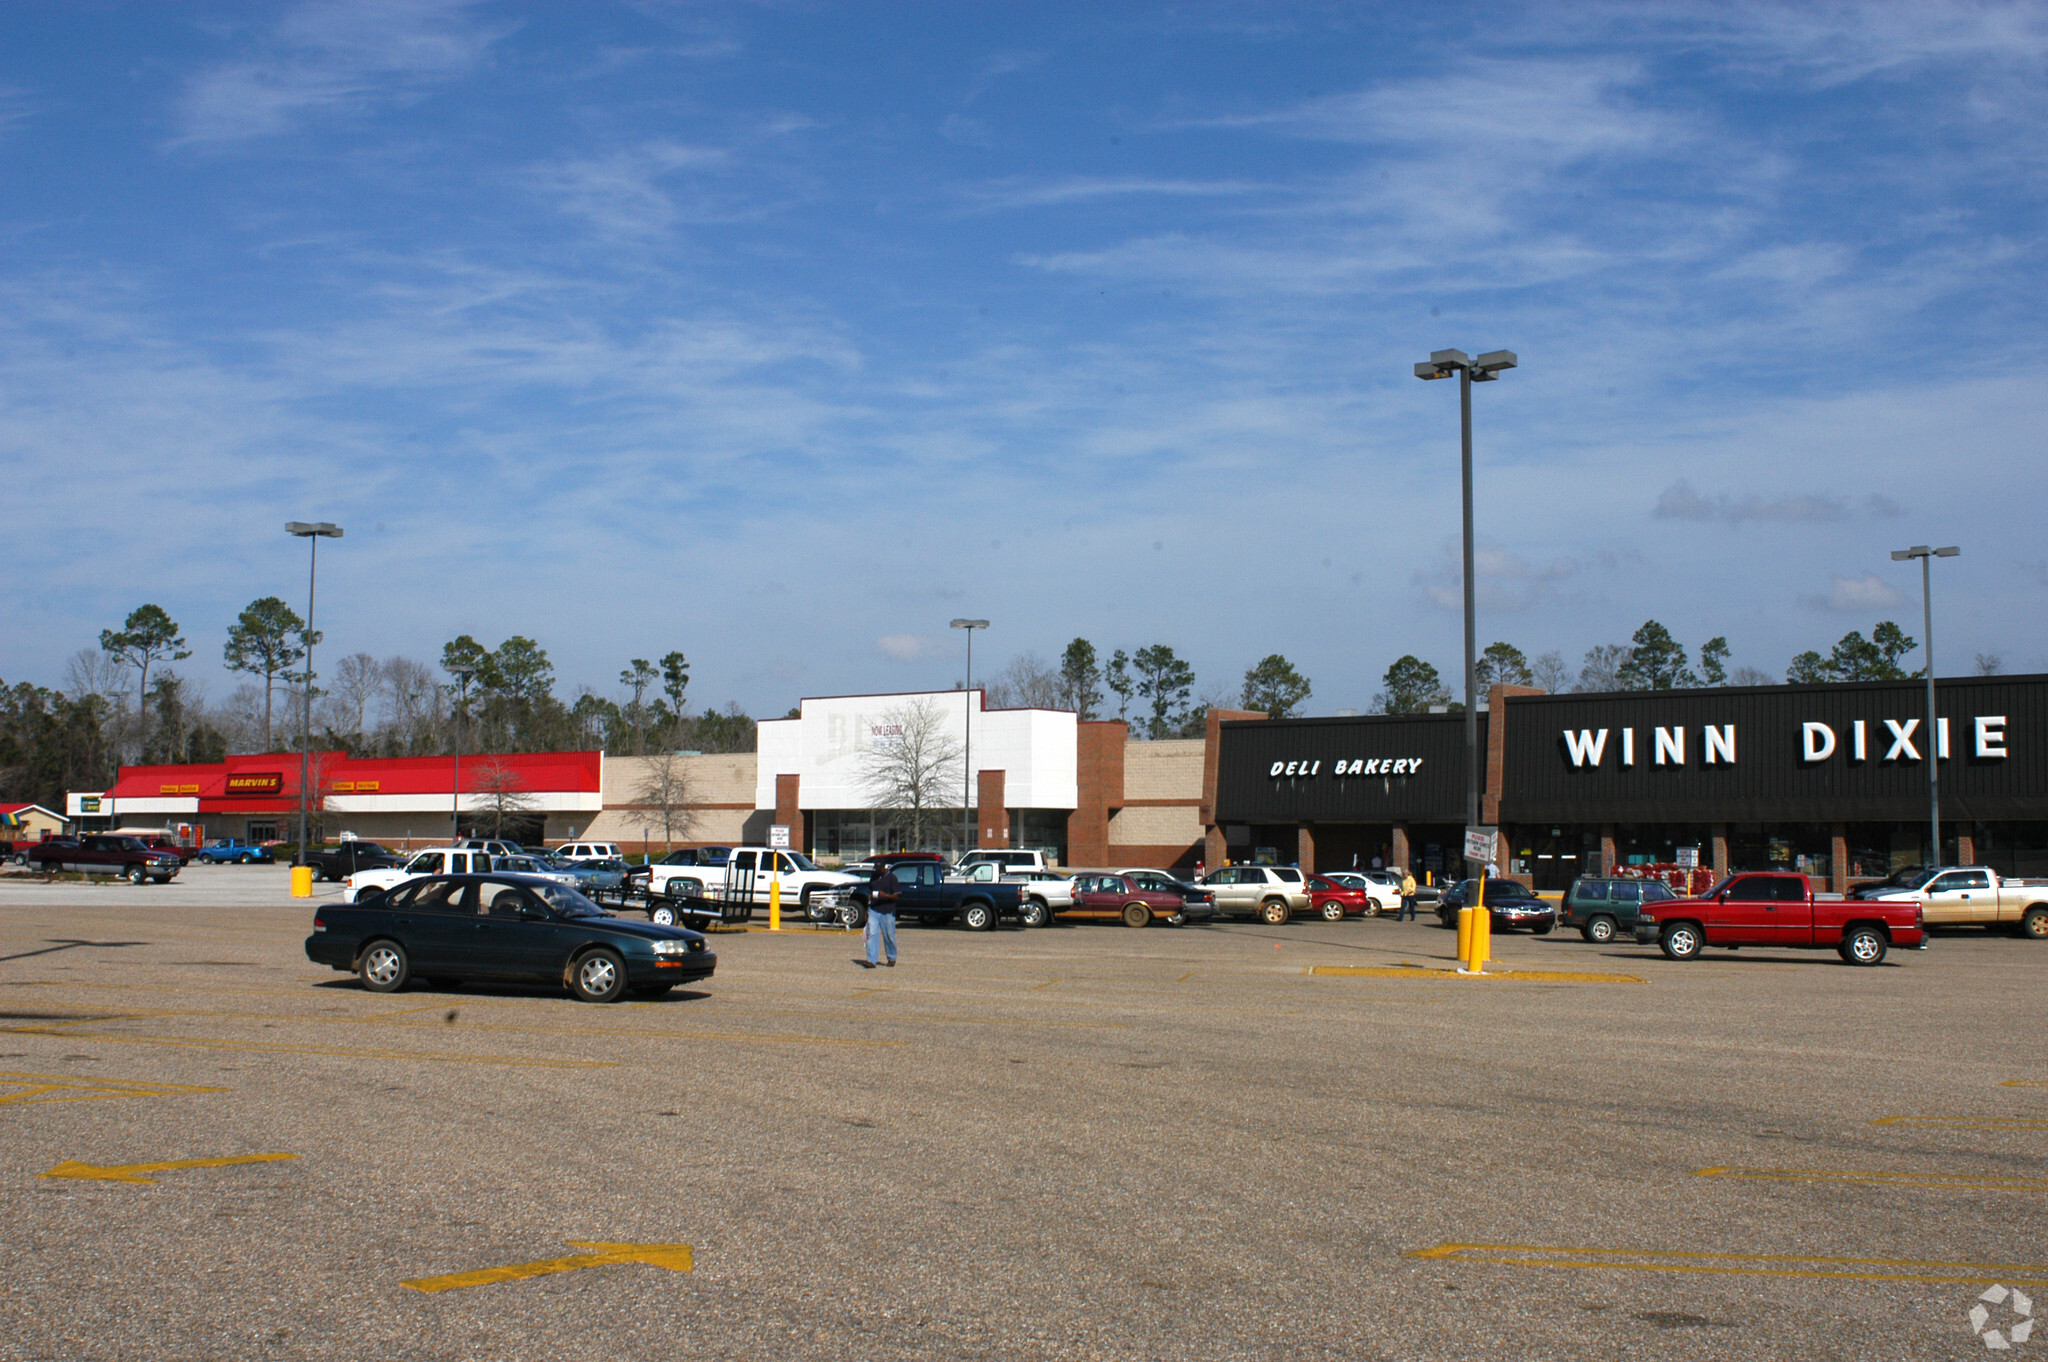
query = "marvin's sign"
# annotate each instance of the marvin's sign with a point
(255, 783)
(1860, 740)
(1345, 767)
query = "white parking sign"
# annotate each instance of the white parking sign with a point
(778, 836)
(1480, 842)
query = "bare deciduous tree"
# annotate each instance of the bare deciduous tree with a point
(913, 767)
(665, 790)
(1549, 672)
(358, 679)
(500, 794)
(1028, 682)
(416, 708)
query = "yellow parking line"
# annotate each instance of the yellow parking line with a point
(1551, 1257)
(340, 1051)
(1961, 1123)
(1425, 972)
(1185, 977)
(1047, 984)
(1892, 1179)
(2025, 1083)
(36, 1088)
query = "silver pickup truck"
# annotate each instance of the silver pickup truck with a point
(1971, 895)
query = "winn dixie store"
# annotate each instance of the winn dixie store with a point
(1829, 780)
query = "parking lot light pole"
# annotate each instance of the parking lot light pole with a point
(1927, 556)
(312, 534)
(967, 762)
(1442, 364)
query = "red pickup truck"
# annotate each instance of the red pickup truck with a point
(1776, 909)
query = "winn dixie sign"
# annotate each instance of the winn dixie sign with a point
(1856, 741)
(1345, 767)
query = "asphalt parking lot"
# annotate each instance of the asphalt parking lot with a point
(1083, 1142)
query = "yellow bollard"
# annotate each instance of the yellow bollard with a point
(302, 881)
(774, 904)
(1482, 939)
(1464, 936)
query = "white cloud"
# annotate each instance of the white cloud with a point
(333, 56)
(621, 193)
(1680, 502)
(1859, 595)
(904, 647)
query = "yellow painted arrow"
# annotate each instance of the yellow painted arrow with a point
(132, 1172)
(674, 1257)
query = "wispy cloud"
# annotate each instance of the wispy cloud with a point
(333, 56)
(1680, 502)
(624, 193)
(1024, 193)
(1504, 581)
(904, 647)
(1857, 595)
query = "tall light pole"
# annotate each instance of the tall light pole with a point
(967, 763)
(312, 534)
(1442, 364)
(1927, 556)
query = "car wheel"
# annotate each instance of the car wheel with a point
(1333, 911)
(384, 968)
(135, 875)
(1035, 913)
(977, 916)
(1137, 914)
(1599, 929)
(2034, 924)
(663, 915)
(856, 916)
(1863, 946)
(1681, 941)
(1177, 920)
(1274, 912)
(599, 977)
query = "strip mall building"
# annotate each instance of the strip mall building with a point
(1827, 779)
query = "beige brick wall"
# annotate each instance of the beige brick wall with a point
(1153, 826)
(720, 790)
(1169, 769)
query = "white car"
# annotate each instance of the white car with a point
(1382, 889)
(433, 861)
(590, 851)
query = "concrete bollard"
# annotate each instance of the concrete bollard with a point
(302, 881)
(774, 904)
(1464, 936)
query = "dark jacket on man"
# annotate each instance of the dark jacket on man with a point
(883, 891)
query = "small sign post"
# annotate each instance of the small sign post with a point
(1480, 844)
(778, 836)
(1688, 858)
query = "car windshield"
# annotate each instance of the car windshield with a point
(1916, 880)
(563, 901)
(800, 861)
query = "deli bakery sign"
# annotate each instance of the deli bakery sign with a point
(1346, 767)
(1859, 740)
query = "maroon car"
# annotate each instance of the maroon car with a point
(1121, 896)
(1335, 901)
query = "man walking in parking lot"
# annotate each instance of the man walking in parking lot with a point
(883, 891)
(1407, 913)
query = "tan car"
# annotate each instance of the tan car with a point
(1953, 896)
(1271, 893)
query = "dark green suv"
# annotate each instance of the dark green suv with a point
(1600, 908)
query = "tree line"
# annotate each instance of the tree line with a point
(1154, 681)
(1654, 660)
(125, 702)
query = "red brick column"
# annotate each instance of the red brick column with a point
(1214, 844)
(1838, 860)
(1720, 851)
(786, 810)
(992, 819)
(1305, 848)
(1099, 782)
(1400, 852)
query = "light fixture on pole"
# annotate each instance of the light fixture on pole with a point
(1442, 364)
(312, 534)
(967, 762)
(1933, 740)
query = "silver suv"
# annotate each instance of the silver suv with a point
(1273, 893)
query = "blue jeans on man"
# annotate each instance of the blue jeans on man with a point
(881, 931)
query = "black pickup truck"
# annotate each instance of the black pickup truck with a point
(106, 855)
(343, 860)
(932, 899)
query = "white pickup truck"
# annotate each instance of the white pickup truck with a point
(434, 861)
(800, 879)
(1044, 893)
(1971, 895)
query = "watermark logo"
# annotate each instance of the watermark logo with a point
(2013, 1321)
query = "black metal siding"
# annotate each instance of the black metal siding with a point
(1246, 792)
(1769, 780)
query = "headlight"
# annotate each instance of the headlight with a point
(672, 948)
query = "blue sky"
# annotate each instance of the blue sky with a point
(784, 334)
